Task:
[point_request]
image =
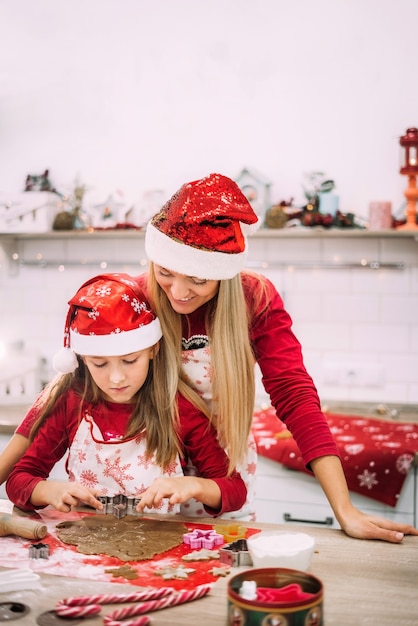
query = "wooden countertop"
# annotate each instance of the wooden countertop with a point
(365, 583)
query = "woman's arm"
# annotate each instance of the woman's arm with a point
(329, 472)
(294, 396)
(11, 454)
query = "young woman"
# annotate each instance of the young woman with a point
(218, 321)
(109, 409)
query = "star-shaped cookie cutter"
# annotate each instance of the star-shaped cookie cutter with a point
(203, 539)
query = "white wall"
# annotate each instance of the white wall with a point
(135, 95)
(358, 326)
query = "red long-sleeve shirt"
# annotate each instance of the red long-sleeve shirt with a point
(54, 438)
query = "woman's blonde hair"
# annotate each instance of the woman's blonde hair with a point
(232, 359)
(155, 409)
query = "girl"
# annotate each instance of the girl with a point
(218, 321)
(109, 408)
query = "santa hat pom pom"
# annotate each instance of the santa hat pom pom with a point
(65, 361)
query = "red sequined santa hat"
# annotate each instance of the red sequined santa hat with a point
(108, 316)
(202, 230)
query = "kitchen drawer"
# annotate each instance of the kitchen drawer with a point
(281, 492)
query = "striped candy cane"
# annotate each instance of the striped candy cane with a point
(180, 597)
(144, 620)
(85, 606)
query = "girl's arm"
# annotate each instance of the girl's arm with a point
(11, 454)
(48, 447)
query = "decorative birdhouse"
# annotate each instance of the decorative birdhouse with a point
(257, 191)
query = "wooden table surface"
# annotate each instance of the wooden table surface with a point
(368, 583)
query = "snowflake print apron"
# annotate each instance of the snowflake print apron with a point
(197, 366)
(115, 466)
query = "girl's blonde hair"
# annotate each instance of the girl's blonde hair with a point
(232, 359)
(155, 409)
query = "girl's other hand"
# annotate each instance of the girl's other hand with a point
(179, 490)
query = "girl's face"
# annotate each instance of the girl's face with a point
(120, 377)
(185, 293)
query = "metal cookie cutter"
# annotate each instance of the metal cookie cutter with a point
(118, 505)
(39, 551)
(235, 554)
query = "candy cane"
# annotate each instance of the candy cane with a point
(154, 605)
(113, 598)
(78, 611)
(85, 606)
(144, 620)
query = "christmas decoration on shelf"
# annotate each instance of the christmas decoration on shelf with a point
(33, 209)
(409, 167)
(320, 210)
(318, 191)
(277, 216)
(41, 182)
(73, 214)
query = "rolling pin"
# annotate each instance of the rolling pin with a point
(21, 526)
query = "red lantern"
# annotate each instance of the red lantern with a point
(409, 167)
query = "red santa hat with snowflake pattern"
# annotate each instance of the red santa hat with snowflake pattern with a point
(202, 230)
(108, 316)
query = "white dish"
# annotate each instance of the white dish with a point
(285, 549)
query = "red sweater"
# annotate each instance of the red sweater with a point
(279, 355)
(54, 438)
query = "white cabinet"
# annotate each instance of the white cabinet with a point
(285, 495)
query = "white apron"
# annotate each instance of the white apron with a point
(197, 366)
(115, 467)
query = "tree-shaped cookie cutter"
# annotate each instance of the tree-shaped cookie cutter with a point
(235, 554)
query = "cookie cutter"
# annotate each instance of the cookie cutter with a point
(39, 551)
(119, 505)
(207, 539)
(235, 554)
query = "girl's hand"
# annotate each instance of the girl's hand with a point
(181, 489)
(64, 495)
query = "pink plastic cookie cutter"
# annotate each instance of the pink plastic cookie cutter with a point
(203, 539)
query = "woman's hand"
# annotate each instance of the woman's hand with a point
(363, 526)
(181, 489)
(64, 495)
(354, 523)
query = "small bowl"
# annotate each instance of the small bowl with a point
(285, 549)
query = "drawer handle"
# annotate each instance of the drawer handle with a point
(328, 521)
